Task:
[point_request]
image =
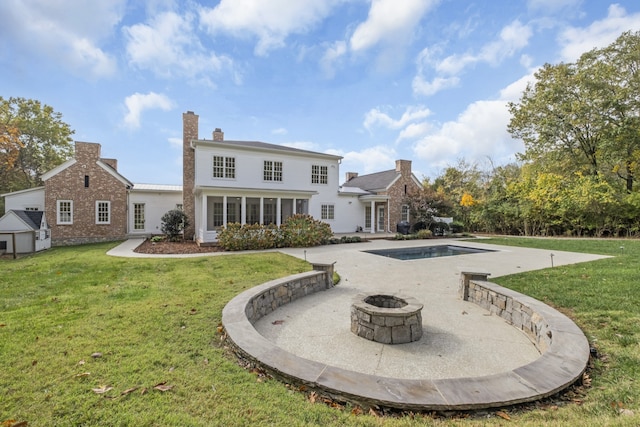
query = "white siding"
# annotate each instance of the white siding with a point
(26, 199)
(156, 204)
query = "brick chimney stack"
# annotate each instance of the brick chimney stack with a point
(351, 175)
(218, 135)
(403, 167)
(189, 133)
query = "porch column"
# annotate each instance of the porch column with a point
(295, 204)
(243, 210)
(278, 211)
(373, 217)
(224, 211)
(261, 210)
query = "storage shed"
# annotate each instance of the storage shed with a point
(24, 232)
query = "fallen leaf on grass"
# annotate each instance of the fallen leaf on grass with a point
(163, 387)
(2, 325)
(83, 374)
(14, 423)
(312, 397)
(129, 390)
(503, 415)
(193, 311)
(96, 355)
(82, 362)
(102, 389)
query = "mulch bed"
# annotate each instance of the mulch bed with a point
(181, 247)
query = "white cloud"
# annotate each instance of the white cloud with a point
(369, 160)
(376, 117)
(279, 131)
(69, 32)
(389, 22)
(333, 54)
(138, 102)
(434, 74)
(576, 41)
(270, 21)
(478, 133)
(169, 47)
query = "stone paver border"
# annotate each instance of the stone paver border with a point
(564, 348)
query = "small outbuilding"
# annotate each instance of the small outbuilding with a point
(23, 232)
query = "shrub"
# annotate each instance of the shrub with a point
(424, 234)
(174, 223)
(456, 227)
(297, 231)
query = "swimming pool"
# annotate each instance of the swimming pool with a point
(426, 252)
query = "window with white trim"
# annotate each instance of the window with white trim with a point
(319, 174)
(65, 211)
(103, 212)
(224, 167)
(272, 171)
(404, 216)
(327, 212)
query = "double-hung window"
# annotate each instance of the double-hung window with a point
(319, 174)
(65, 211)
(405, 213)
(272, 171)
(327, 212)
(224, 167)
(103, 212)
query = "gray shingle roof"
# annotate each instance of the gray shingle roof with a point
(267, 146)
(373, 181)
(31, 218)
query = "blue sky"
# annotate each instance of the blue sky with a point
(372, 81)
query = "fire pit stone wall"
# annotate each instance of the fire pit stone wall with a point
(387, 319)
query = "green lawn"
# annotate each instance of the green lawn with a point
(154, 322)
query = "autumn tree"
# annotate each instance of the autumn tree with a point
(33, 140)
(427, 203)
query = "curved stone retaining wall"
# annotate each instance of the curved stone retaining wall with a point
(564, 348)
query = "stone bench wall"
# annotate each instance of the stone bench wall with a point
(511, 306)
(282, 291)
(565, 352)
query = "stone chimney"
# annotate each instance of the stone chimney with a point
(351, 175)
(111, 162)
(218, 135)
(403, 167)
(189, 133)
(87, 152)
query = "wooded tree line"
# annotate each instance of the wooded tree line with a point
(580, 124)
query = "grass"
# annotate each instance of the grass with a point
(154, 323)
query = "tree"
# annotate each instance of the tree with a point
(426, 204)
(174, 223)
(33, 140)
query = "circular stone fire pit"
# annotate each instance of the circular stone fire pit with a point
(387, 319)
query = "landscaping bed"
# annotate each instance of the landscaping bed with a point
(179, 247)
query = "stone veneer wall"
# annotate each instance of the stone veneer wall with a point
(283, 291)
(499, 301)
(397, 192)
(69, 184)
(189, 133)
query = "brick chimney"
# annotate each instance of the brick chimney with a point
(111, 162)
(189, 133)
(351, 175)
(87, 152)
(403, 167)
(218, 135)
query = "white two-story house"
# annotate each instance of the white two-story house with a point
(251, 182)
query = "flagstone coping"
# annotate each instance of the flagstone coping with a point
(564, 351)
